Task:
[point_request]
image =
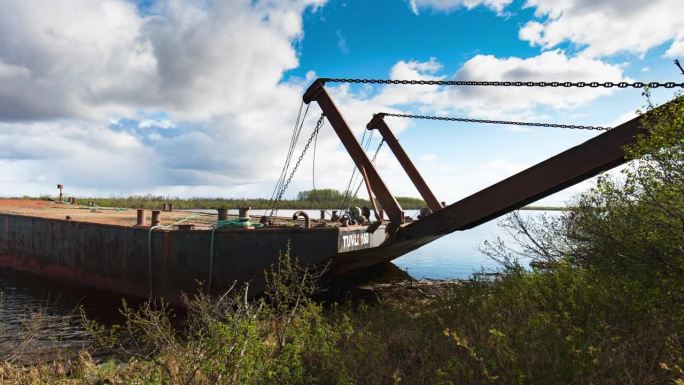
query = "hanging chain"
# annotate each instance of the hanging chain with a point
(507, 83)
(533, 124)
(319, 124)
(377, 151)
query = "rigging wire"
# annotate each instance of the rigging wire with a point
(340, 203)
(299, 123)
(356, 174)
(487, 121)
(375, 155)
(279, 197)
(313, 173)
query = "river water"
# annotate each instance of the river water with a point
(27, 302)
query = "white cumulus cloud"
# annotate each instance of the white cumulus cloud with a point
(74, 73)
(501, 102)
(607, 27)
(450, 5)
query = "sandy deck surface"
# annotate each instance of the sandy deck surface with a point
(104, 215)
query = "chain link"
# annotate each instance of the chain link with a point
(533, 124)
(319, 124)
(377, 150)
(507, 83)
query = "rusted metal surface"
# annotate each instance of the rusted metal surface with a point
(222, 214)
(116, 258)
(155, 218)
(572, 166)
(317, 92)
(307, 221)
(243, 212)
(416, 178)
(579, 163)
(140, 217)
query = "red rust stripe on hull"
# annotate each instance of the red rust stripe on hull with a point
(75, 276)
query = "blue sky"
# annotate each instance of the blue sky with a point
(377, 34)
(197, 98)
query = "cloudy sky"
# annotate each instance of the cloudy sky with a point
(198, 97)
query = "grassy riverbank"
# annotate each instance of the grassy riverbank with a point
(566, 325)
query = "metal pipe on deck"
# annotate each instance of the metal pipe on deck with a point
(307, 221)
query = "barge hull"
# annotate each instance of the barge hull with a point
(163, 263)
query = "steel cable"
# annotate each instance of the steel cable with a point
(487, 121)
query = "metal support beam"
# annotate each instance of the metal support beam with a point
(317, 92)
(379, 123)
(579, 163)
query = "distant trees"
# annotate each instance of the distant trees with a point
(307, 199)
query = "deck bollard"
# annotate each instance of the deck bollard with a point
(169, 207)
(155, 217)
(322, 214)
(243, 212)
(222, 214)
(140, 220)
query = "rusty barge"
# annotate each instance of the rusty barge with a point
(119, 251)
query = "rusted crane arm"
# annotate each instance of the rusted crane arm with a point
(379, 123)
(552, 175)
(317, 92)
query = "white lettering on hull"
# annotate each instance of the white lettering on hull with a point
(355, 240)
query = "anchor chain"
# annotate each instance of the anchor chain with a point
(515, 123)
(279, 197)
(377, 150)
(507, 83)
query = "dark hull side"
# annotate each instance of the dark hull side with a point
(128, 260)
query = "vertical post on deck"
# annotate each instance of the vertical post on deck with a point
(155, 217)
(379, 123)
(317, 92)
(140, 218)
